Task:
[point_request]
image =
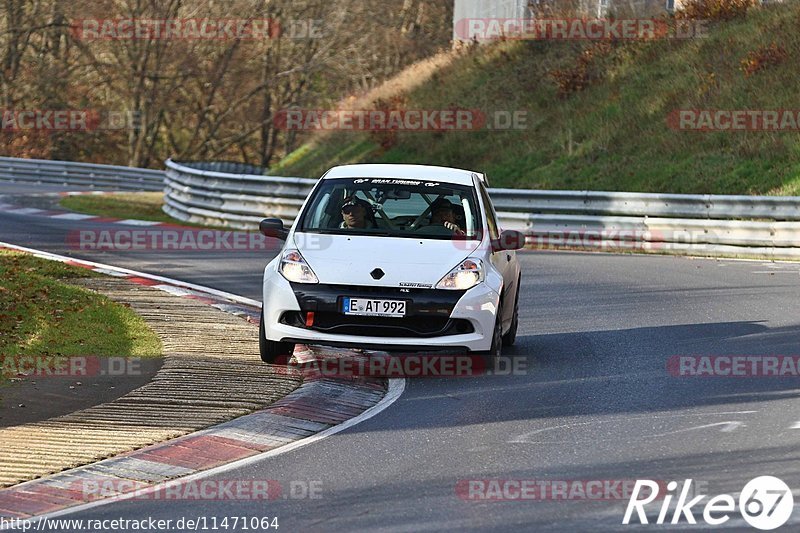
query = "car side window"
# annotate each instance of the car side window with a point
(491, 219)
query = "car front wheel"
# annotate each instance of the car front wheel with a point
(511, 335)
(272, 350)
(497, 337)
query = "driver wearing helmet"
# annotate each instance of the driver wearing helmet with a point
(357, 214)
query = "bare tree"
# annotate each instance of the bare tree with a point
(203, 98)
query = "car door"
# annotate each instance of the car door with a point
(503, 260)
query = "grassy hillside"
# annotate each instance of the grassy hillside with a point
(613, 135)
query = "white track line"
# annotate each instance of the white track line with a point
(134, 222)
(396, 388)
(175, 282)
(25, 211)
(73, 216)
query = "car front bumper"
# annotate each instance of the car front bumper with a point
(436, 319)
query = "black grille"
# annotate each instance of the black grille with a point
(399, 292)
(341, 324)
(427, 311)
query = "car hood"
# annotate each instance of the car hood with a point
(350, 260)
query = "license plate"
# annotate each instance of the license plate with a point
(373, 307)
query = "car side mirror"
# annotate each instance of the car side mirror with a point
(509, 240)
(273, 227)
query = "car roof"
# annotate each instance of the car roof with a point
(419, 172)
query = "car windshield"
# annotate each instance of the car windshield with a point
(392, 207)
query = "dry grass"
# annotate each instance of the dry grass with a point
(614, 133)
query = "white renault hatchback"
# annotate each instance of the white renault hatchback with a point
(393, 257)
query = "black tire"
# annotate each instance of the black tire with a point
(272, 350)
(497, 338)
(511, 335)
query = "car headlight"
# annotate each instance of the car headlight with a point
(295, 269)
(465, 276)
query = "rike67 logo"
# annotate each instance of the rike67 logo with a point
(765, 503)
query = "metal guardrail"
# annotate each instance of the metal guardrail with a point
(198, 193)
(704, 206)
(763, 226)
(238, 195)
(84, 175)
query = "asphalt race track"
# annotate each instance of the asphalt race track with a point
(596, 401)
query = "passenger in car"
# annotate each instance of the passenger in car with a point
(443, 213)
